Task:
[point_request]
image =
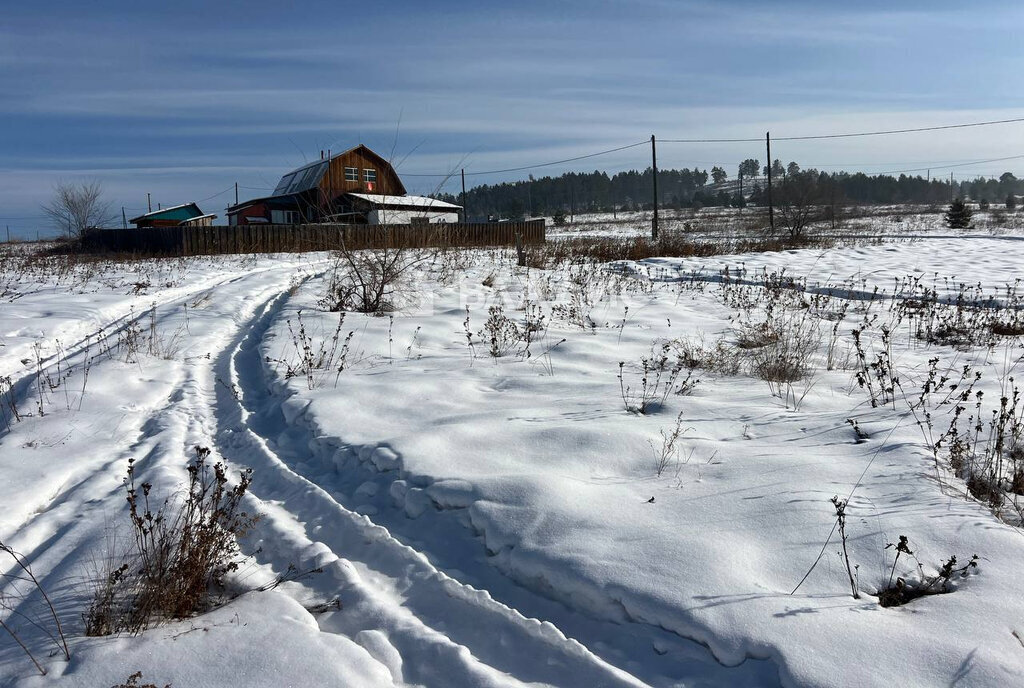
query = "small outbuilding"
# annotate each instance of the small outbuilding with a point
(186, 214)
(379, 209)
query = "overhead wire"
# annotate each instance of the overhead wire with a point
(542, 164)
(219, 193)
(882, 132)
(811, 137)
(949, 167)
(552, 163)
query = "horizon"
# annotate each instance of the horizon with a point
(184, 103)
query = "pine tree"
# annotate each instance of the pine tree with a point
(1011, 202)
(959, 215)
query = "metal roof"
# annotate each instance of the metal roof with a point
(171, 209)
(406, 201)
(302, 179)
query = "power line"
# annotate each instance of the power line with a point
(735, 140)
(849, 135)
(925, 164)
(900, 131)
(948, 167)
(702, 140)
(221, 193)
(543, 164)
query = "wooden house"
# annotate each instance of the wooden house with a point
(316, 192)
(186, 214)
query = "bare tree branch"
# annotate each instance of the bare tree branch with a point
(77, 207)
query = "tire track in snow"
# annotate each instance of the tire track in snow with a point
(23, 390)
(635, 646)
(445, 633)
(61, 533)
(115, 319)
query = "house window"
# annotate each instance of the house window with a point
(419, 220)
(285, 217)
(352, 174)
(369, 175)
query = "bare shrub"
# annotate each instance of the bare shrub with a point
(787, 355)
(314, 358)
(984, 446)
(133, 682)
(667, 453)
(840, 506)
(721, 357)
(658, 377)
(904, 590)
(584, 289)
(370, 280)
(183, 550)
(162, 344)
(798, 206)
(506, 336)
(8, 401)
(75, 208)
(755, 336)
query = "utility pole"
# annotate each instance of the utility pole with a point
(330, 188)
(572, 204)
(950, 187)
(654, 170)
(236, 193)
(741, 189)
(124, 218)
(465, 210)
(8, 234)
(149, 203)
(771, 208)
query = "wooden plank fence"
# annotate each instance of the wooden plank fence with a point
(197, 241)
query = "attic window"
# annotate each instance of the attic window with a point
(352, 174)
(369, 175)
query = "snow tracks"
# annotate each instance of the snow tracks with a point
(423, 625)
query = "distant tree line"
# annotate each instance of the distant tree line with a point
(685, 188)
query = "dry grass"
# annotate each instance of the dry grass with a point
(676, 245)
(183, 550)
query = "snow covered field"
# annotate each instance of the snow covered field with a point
(888, 221)
(473, 497)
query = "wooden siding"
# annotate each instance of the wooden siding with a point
(263, 238)
(333, 182)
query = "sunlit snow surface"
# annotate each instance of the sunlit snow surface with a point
(499, 521)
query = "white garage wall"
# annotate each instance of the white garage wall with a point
(404, 217)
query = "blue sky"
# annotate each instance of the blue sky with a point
(184, 99)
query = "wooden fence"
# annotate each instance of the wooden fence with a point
(196, 241)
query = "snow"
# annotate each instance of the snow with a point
(233, 646)
(405, 201)
(499, 521)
